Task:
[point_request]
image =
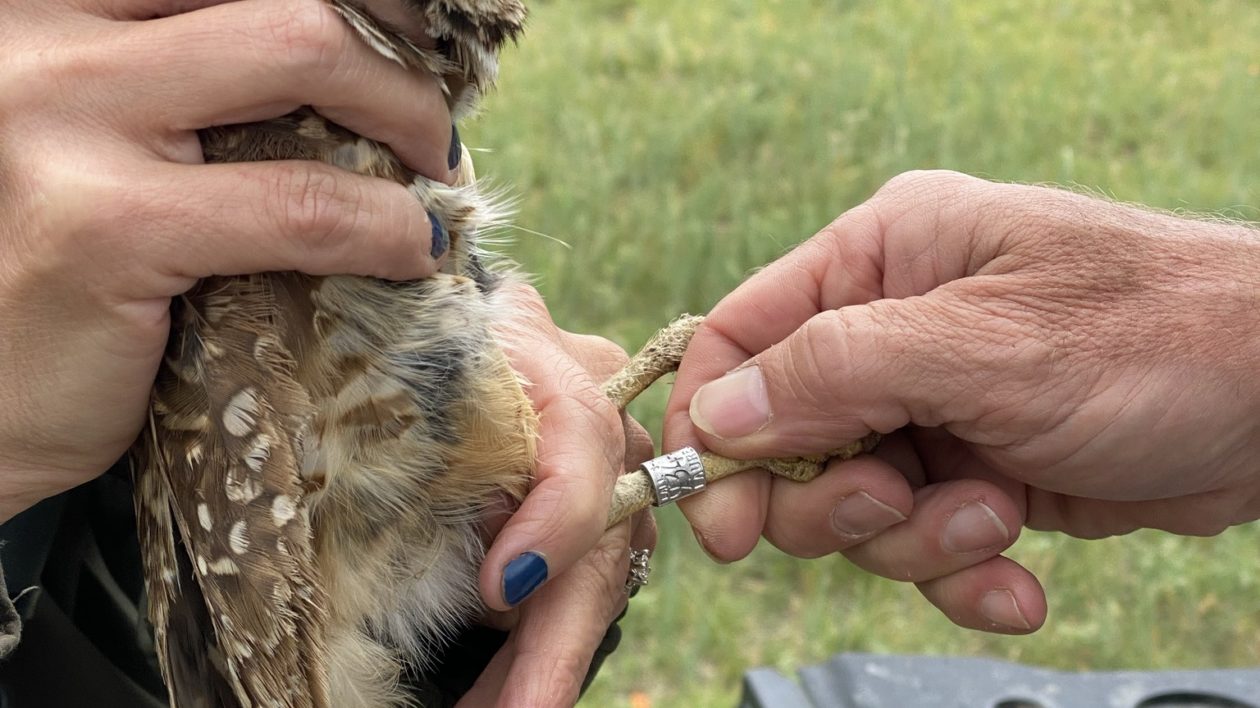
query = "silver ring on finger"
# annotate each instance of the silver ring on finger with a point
(640, 567)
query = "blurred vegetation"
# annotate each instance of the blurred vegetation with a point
(661, 150)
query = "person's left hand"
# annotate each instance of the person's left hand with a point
(585, 443)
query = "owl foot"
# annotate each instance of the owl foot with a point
(671, 477)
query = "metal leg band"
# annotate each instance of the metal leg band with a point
(676, 475)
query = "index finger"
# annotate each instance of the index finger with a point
(263, 60)
(729, 516)
(840, 266)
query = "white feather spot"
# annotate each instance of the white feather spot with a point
(264, 345)
(258, 454)
(202, 565)
(283, 509)
(241, 489)
(224, 566)
(238, 538)
(241, 412)
(215, 307)
(193, 424)
(213, 350)
(192, 457)
(203, 516)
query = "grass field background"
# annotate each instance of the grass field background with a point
(675, 146)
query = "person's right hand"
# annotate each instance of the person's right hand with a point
(1047, 359)
(106, 211)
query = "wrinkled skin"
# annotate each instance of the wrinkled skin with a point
(1048, 359)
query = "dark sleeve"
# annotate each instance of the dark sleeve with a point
(10, 622)
(72, 576)
(472, 651)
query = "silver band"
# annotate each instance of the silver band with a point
(674, 476)
(639, 569)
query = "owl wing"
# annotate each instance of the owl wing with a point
(234, 597)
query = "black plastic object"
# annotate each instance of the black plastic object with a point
(876, 681)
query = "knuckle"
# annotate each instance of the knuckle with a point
(528, 302)
(37, 77)
(820, 361)
(607, 349)
(526, 293)
(576, 391)
(536, 312)
(922, 191)
(18, 74)
(603, 413)
(926, 181)
(309, 206)
(563, 509)
(601, 357)
(557, 678)
(69, 208)
(605, 423)
(65, 222)
(307, 35)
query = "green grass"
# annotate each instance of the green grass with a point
(675, 146)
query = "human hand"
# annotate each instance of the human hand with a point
(106, 212)
(1047, 359)
(558, 532)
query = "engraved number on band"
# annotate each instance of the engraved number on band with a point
(676, 475)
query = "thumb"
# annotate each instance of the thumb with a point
(844, 373)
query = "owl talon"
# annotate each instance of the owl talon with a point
(682, 473)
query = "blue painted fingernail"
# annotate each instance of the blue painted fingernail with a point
(456, 152)
(441, 241)
(522, 577)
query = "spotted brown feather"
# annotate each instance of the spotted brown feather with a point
(308, 487)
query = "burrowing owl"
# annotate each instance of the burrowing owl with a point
(318, 450)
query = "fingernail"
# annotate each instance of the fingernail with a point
(972, 528)
(860, 514)
(522, 577)
(457, 149)
(441, 241)
(1000, 607)
(733, 406)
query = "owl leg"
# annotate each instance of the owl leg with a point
(685, 472)
(660, 356)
